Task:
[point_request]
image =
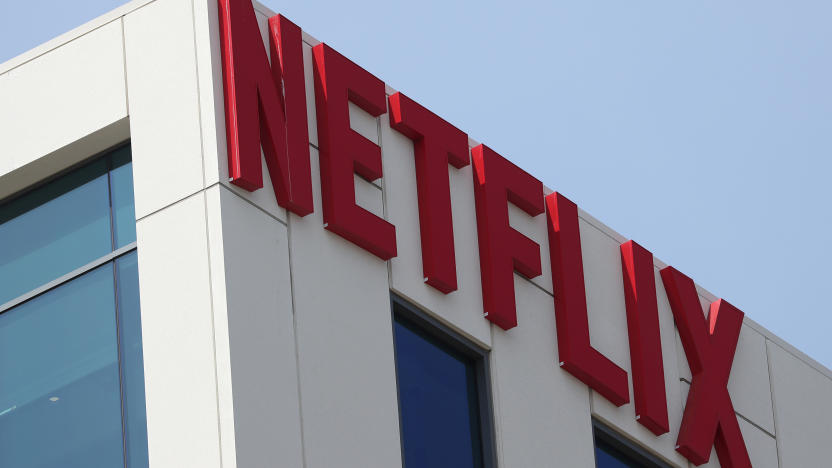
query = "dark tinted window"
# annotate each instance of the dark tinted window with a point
(439, 400)
(613, 451)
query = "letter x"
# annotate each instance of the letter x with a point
(709, 344)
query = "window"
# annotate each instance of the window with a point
(444, 405)
(71, 370)
(613, 451)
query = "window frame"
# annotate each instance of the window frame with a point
(110, 257)
(434, 329)
(65, 171)
(627, 447)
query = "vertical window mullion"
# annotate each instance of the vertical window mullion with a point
(116, 287)
(615, 451)
(68, 315)
(134, 411)
(113, 245)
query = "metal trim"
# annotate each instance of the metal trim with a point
(619, 442)
(67, 277)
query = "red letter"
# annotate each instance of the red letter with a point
(709, 418)
(343, 152)
(502, 249)
(436, 143)
(575, 353)
(256, 110)
(645, 340)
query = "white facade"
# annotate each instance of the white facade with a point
(267, 339)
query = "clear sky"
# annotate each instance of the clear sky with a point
(702, 130)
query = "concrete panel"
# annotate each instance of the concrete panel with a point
(222, 344)
(461, 309)
(542, 413)
(345, 347)
(605, 294)
(802, 409)
(761, 446)
(748, 384)
(364, 124)
(211, 93)
(178, 336)
(369, 196)
(608, 333)
(164, 104)
(261, 330)
(62, 158)
(263, 197)
(62, 96)
(534, 228)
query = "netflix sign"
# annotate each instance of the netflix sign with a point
(266, 109)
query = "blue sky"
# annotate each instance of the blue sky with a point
(703, 130)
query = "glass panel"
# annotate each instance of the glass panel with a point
(613, 451)
(121, 191)
(53, 230)
(59, 385)
(607, 456)
(132, 364)
(438, 402)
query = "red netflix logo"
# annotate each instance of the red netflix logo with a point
(265, 104)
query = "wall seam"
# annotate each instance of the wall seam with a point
(295, 340)
(172, 204)
(742, 416)
(788, 348)
(260, 208)
(207, 234)
(763, 430)
(213, 323)
(124, 66)
(496, 402)
(175, 202)
(773, 403)
(535, 284)
(57, 46)
(385, 212)
(198, 92)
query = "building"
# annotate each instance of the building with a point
(161, 307)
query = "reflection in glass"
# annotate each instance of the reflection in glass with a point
(53, 230)
(608, 457)
(438, 402)
(121, 191)
(59, 382)
(614, 451)
(132, 364)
